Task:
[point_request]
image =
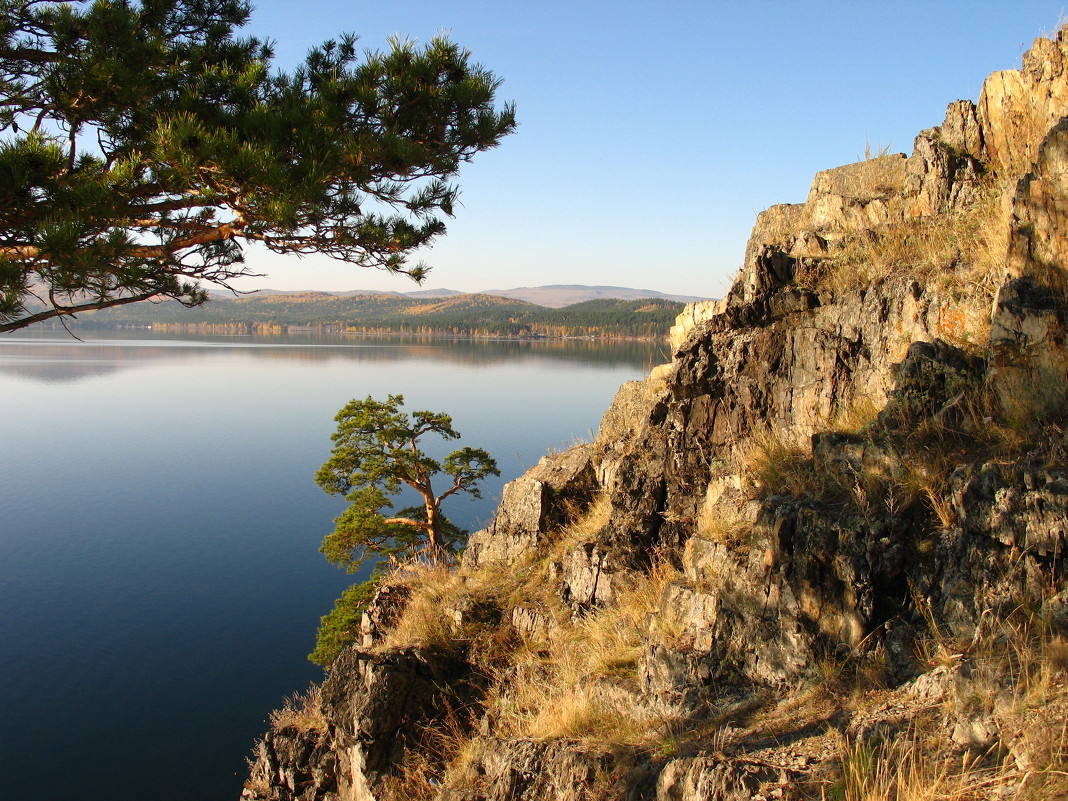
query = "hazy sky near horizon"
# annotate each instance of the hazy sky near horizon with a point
(652, 133)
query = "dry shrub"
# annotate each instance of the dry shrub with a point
(301, 711)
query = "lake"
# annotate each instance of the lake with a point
(160, 580)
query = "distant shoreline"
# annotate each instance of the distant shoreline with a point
(278, 329)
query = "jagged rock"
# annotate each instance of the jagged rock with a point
(852, 566)
(293, 765)
(940, 177)
(856, 196)
(1039, 246)
(1029, 351)
(531, 623)
(382, 612)
(1029, 511)
(531, 506)
(378, 704)
(529, 770)
(585, 576)
(1017, 107)
(961, 131)
(691, 315)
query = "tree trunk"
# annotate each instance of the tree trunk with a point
(433, 531)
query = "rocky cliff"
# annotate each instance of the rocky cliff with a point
(818, 554)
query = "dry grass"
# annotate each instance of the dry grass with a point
(727, 524)
(582, 684)
(444, 749)
(879, 174)
(962, 253)
(579, 683)
(778, 465)
(1017, 675)
(301, 711)
(585, 522)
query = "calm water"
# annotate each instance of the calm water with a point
(160, 581)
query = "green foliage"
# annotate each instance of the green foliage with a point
(341, 627)
(377, 452)
(145, 143)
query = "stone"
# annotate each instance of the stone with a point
(382, 612)
(709, 778)
(532, 506)
(1029, 351)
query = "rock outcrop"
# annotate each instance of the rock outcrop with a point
(863, 473)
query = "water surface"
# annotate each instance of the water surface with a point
(160, 581)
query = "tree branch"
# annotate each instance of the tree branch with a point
(70, 311)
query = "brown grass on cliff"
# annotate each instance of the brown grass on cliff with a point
(999, 732)
(301, 711)
(580, 682)
(961, 252)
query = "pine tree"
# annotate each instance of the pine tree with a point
(145, 143)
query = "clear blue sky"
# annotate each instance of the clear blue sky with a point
(651, 133)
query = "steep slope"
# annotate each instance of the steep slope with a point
(818, 554)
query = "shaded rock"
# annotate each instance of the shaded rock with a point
(378, 704)
(292, 765)
(1029, 351)
(526, 770)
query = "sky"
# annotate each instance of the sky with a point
(652, 133)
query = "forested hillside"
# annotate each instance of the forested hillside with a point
(466, 315)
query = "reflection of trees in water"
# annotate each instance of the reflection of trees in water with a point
(65, 359)
(58, 372)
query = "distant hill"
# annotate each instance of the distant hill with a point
(419, 313)
(552, 296)
(555, 296)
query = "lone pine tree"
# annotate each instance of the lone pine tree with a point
(377, 452)
(142, 144)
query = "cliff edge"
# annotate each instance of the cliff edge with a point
(819, 554)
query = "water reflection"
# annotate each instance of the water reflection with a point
(58, 357)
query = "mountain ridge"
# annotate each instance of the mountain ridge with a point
(552, 296)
